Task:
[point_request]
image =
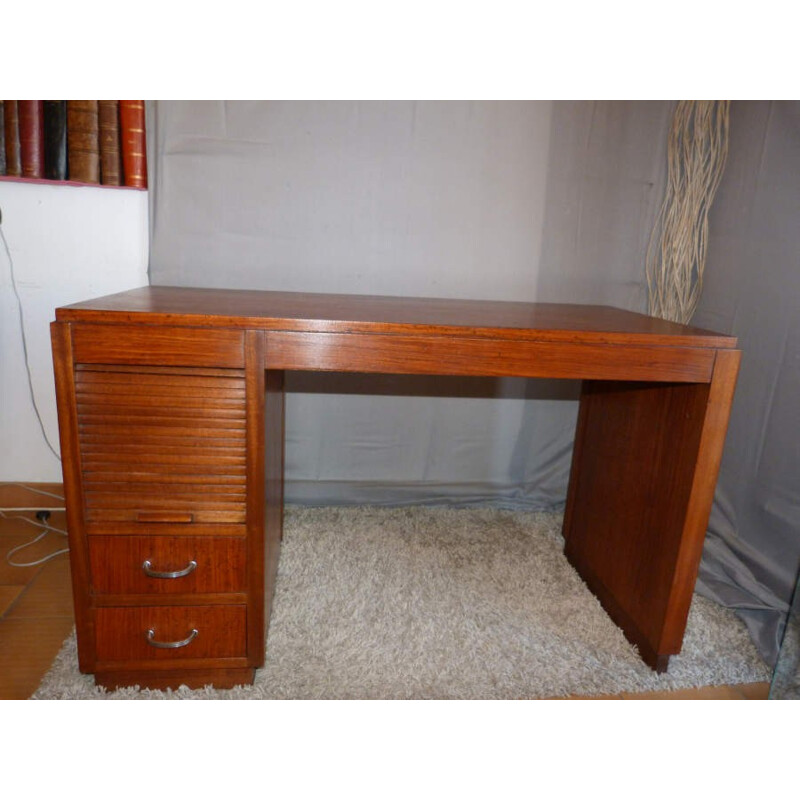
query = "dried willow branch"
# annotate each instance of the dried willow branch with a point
(676, 255)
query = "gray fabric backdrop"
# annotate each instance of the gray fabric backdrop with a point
(548, 201)
(752, 289)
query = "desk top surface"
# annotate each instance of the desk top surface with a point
(334, 313)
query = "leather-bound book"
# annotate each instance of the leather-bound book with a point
(55, 140)
(83, 153)
(13, 163)
(31, 138)
(2, 138)
(134, 157)
(110, 157)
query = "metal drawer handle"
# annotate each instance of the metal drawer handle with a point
(148, 570)
(169, 645)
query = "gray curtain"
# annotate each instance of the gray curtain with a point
(547, 201)
(752, 290)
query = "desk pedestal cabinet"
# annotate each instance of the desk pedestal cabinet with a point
(170, 405)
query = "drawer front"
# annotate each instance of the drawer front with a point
(156, 344)
(133, 634)
(162, 445)
(167, 564)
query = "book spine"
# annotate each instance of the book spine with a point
(55, 140)
(31, 138)
(2, 138)
(13, 163)
(110, 157)
(134, 158)
(83, 156)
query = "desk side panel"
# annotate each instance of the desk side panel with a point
(643, 475)
(63, 366)
(704, 482)
(634, 460)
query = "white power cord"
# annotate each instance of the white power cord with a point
(46, 528)
(25, 343)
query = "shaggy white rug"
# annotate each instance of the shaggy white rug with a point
(444, 603)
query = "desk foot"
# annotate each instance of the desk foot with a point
(659, 662)
(161, 679)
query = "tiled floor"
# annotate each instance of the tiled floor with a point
(36, 606)
(35, 602)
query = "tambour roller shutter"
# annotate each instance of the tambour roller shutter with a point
(162, 444)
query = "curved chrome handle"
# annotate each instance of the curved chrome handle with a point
(148, 570)
(169, 645)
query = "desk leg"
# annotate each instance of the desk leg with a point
(265, 405)
(644, 469)
(273, 464)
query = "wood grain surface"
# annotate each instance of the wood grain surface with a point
(117, 564)
(452, 355)
(330, 313)
(122, 632)
(140, 435)
(171, 416)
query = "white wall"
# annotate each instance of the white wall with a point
(68, 243)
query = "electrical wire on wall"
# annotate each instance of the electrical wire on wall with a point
(42, 515)
(25, 343)
(676, 255)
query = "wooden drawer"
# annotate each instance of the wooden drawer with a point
(162, 445)
(122, 633)
(125, 564)
(164, 346)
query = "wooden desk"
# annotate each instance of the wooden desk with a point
(170, 406)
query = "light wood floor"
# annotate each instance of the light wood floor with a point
(36, 606)
(35, 602)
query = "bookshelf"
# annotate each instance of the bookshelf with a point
(97, 143)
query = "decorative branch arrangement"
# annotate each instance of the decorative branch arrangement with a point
(676, 254)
